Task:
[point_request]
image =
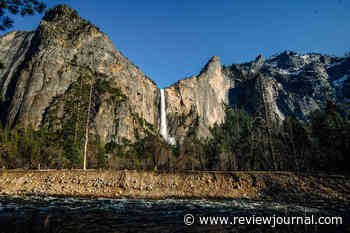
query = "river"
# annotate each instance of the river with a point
(65, 214)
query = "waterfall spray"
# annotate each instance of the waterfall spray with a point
(163, 120)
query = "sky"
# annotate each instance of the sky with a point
(171, 40)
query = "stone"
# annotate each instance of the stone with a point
(202, 97)
(43, 66)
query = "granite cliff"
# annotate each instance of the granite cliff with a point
(196, 103)
(53, 73)
(47, 68)
(294, 84)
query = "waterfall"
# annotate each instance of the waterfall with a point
(163, 126)
(163, 120)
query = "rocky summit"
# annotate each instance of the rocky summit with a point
(294, 84)
(51, 76)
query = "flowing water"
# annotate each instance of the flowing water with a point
(163, 120)
(64, 214)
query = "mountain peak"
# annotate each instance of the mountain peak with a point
(288, 53)
(63, 24)
(212, 65)
(60, 11)
(214, 58)
(214, 62)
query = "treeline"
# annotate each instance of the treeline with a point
(34, 149)
(245, 142)
(241, 142)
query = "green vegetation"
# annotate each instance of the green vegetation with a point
(241, 142)
(60, 142)
(31, 149)
(15, 7)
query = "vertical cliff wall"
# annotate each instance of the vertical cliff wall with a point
(195, 104)
(42, 67)
(294, 85)
(49, 73)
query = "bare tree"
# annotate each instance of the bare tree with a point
(87, 124)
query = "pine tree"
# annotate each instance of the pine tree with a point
(15, 7)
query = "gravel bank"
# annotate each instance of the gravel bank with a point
(153, 185)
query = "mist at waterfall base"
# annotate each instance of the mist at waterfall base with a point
(163, 120)
(65, 214)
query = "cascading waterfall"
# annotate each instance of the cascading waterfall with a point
(163, 125)
(163, 120)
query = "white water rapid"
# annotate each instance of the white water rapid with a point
(163, 120)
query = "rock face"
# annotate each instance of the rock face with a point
(42, 66)
(294, 85)
(52, 73)
(196, 103)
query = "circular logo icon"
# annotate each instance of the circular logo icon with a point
(188, 219)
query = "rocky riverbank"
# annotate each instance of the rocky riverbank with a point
(153, 185)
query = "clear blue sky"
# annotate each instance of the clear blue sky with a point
(170, 40)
